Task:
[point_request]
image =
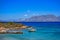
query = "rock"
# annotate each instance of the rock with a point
(11, 32)
(29, 28)
(23, 27)
(32, 30)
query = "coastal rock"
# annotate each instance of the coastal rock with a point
(32, 30)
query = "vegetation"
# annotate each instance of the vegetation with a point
(10, 26)
(13, 28)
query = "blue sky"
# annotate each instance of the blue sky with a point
(15, 9)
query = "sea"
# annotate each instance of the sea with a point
(44, 31)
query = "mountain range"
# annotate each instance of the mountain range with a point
(43, 18)
(39, 18)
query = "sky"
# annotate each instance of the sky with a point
(16, 9)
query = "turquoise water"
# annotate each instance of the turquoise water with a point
(47, 31)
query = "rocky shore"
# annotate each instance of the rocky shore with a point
(11, 32)
(12, 28)
(4, 27)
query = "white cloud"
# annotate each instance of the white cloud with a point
(25, 15)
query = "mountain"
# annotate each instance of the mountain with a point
(59, 18)
(43, 18)
(40, 18)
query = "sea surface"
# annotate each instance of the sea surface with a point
(44, 31)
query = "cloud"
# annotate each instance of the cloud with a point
(25, 15)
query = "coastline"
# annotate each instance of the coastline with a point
(11, 32)
(12, 27)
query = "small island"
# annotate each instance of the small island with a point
(12, 28)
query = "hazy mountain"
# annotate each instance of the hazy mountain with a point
(59, 18)
(43, 18)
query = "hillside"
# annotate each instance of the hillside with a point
(43, 18)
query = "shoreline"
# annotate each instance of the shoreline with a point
(11, 32)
